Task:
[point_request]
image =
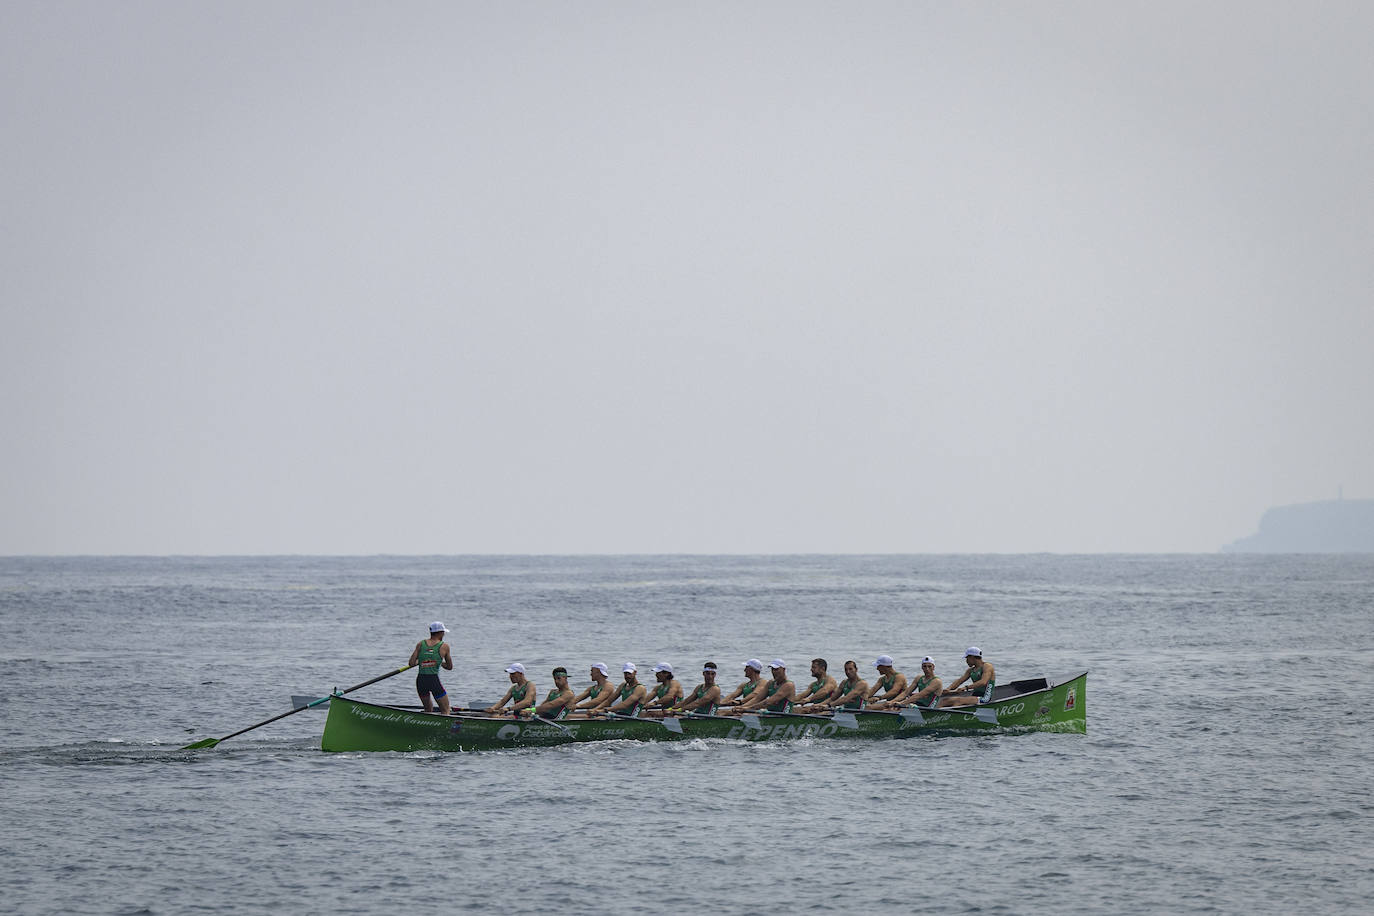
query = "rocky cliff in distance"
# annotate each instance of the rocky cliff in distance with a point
(1332, 526)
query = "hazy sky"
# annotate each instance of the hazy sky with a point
(328, 277)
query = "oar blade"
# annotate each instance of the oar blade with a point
(846, 720)
(206, 742)
(751, 721)
(673, 725)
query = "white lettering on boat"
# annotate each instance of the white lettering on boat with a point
(404, 718)
(783, 731)
(536, 730)
(1011, 709)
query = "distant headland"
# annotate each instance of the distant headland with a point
(1330, 526)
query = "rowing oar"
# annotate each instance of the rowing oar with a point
(535, 717)
(211, 742)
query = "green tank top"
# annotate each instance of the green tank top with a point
(553, 695)
(921, 684)
(885, 683)
(594, 692)
(622, 695)
(816, 686)
(845, 687)
(709, 709)
(661, 690)
(517, 693)
(773, 707)
(974, 674)
(430, 657)
(747, 689)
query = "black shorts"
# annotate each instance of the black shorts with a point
(429, 683)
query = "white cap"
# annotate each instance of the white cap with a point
(601, 666)
(630, 668)
(709, 666)
(663, 666)
(883, 660)
(437, 627)
(515, 668)
(777, 663)
(973, 651)
(927, 660)
(755, 664)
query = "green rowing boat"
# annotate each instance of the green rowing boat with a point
(1038, 704)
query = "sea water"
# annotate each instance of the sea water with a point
(1226, 767)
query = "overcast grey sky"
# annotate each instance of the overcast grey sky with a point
(326, 277)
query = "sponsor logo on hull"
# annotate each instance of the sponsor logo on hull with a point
(783, 731)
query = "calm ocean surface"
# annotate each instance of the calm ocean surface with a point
(1227, 765)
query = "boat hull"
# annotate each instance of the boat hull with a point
(354, 725)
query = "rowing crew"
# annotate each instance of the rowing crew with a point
(889, 691)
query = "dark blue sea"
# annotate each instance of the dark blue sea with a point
(1226, 769)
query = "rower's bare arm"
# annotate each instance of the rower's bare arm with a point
(415, 656)
(504, 700)
(531, 692)
(987, 676)
(955, 686)
(448, 659)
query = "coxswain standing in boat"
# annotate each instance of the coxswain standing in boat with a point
(753, 670)
(890, 684)
(560, 699)
(630, 697)
(849, 693)
(776, 697)
(430, 654)
(665, 696)
(981, 679)
(924, 691)
(596, 696)
(520, 696)
(704, 699)
(821, 688)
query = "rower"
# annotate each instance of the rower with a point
(981, 679)
(924, 691)
(666, 695)
(890, 685)
(752, 671)
(777, 697)
(630, 697)
(520, 695)
(430, 654)
(596, 696)
(706, 696)
(820, 689)
(560, 699)
(849, 693)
